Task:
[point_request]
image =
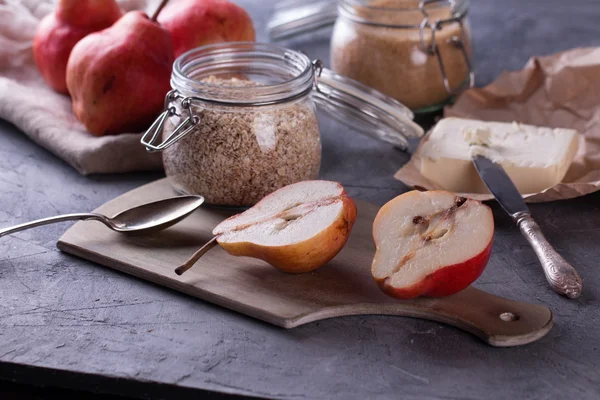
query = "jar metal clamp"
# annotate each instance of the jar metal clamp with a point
(456, 41)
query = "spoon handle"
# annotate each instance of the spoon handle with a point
(51, 220)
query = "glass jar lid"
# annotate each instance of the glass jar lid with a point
(296, 17)
(361, 107)
(352, 103)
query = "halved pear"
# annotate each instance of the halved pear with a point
(431, 244)
(297, 228)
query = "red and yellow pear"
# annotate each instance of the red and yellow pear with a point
(59, 32)
(296, 229)
(194, 23)
(118, 77)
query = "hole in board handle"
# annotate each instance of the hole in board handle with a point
(508, 317)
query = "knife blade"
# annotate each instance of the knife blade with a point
(561, 275)
(500, 184)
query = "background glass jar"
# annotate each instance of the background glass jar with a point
(418, 52)
(240, 121)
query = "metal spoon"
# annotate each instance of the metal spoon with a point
(144, 219)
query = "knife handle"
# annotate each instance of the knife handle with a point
(561, 275)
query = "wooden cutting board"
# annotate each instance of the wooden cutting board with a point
(343, 287)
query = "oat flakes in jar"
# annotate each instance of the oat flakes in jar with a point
(241, 120)
(416, 51)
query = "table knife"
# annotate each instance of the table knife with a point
(561, 275)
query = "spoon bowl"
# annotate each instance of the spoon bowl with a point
(153, 217)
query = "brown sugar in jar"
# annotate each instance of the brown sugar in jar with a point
(379, 43)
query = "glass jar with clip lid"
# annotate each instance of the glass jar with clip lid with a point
(416, 51)
(241, 121)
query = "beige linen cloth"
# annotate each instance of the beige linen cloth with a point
(44, 115)
(559, 91)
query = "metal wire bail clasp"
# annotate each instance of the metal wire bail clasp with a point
(180, 130)
(456, 41)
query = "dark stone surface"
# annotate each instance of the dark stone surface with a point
(119, 333)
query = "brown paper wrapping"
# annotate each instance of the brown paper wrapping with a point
(558, 91)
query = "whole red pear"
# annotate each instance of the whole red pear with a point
(118, 77)
(60, 30)
(194, 23)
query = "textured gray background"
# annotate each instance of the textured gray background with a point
(69, 315)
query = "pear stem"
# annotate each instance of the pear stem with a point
(196, 256)
(158, 10)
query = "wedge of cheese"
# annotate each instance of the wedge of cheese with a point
(535, 158)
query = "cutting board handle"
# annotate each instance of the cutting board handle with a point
(498, 321)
